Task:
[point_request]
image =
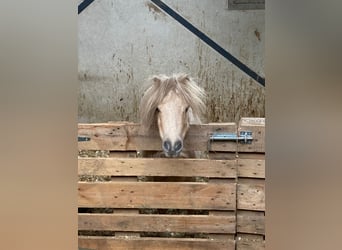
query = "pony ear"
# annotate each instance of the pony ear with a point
(156, 80)
(183, 78)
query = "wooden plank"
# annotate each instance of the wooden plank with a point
(251, 194)
(198, 136)
(123, 154)
(251, 168)
(176, 195)
(111, 243)
(105, 136)
(255, 156)
(222, 155)
(219, 213)
(252, 222)
(223, 146)
(129, 136)
(157, 223)
(257, 126)
(125, 211)
(157, 167)
(250, 242)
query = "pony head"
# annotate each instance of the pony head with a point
(172, 103)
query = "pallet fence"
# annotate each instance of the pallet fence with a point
(250, 213)
(130, 202)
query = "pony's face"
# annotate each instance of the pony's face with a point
(173, 123)
(173, 103)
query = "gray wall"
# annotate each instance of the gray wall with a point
(121, 43)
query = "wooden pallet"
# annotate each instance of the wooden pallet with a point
(250, 216)
(129, 206)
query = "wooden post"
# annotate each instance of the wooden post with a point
(250, 216)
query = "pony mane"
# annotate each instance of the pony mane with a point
(160, 85)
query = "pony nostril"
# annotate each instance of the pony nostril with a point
(167, 146)
(178, 146)
(172, 149)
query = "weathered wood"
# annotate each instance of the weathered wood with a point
(250, 242)
(219, 213)
(198, 136)
(251, 194)
(223, 146)
(129, 136)
(252, 222)
(111, 243)
(251, 168)
(105, 136)
(257, 126)
(253, 156)
(236, 182)
(158, 195)
(157, 167)
(251, 187)
(252, 121)
(123, 154)
(119, 212)
(157, 223)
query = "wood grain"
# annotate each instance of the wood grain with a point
(157, 167)
(158, 195)
(250, 242)
(251, 168)
(251, 194)
(234, 195)
(252, 222)
(257, 126)
(219, 213)
(157, 223)
(121, 211)
(112, 243)
(130, 136)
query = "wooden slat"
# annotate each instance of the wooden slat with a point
(251, 194)
(119, 211)
(158, 195)
(198, 136)
(252, 222)
(251, 168)
(157, 223)
(223, 146)
(222, 155)
(250, 242)
(257, 126)
(255, 156)
(105, 136)
(219, 213)
(129, 136)
(123, 154)
(157, 167)
(252, 121)
(111, 243)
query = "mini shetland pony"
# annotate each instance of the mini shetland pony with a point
(172, 104)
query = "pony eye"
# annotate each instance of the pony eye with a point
(187, 109)
(157, 110)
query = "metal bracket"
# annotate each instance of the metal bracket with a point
(243, 137)
(83, 138)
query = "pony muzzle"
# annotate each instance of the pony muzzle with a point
(172, 149)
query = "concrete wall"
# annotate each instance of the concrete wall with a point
(121, 43)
